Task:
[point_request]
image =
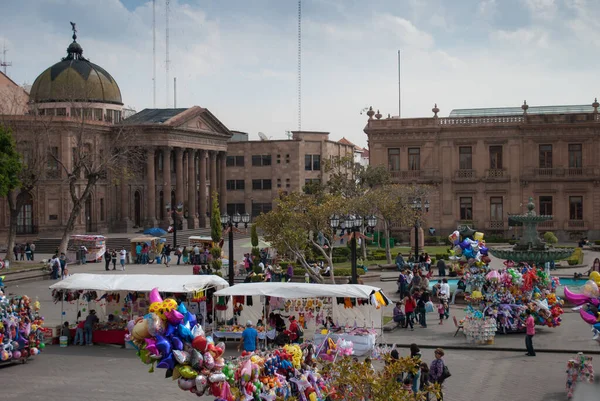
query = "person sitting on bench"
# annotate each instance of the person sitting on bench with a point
(399, 316)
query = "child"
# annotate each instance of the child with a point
(442, 311)
(407, 385)
(424, 378)
(65, 332)
(79, 333)
(306, 278)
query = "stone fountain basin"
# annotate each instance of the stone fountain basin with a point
(532, 255)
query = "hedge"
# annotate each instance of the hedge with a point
(432, 239)
(576, 258)
(342, 252)
(597, 242)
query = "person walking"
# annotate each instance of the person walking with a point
(436, 370)
(530, 324)
(415, 353)
(113, 257)
(167, 254)
(16, 251)
(445, 296)
(421, 308)
(107, 259)
(123, 256)
(402, 284)
(409, 309)
(88, 326)
(63, 264)
(32, 247)
(22, 251)
(179, 254)
(441, 266)
(249, 338)
(28, 251)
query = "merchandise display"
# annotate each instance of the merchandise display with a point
(579, 370)
(347, 341)
(588, 303)
(505, 294)
(170, 338)
(21, 335)
(479, 329)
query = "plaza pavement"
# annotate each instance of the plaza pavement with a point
(110, 374)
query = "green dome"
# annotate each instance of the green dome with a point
(75, 79)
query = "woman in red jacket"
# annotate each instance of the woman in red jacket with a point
(295, 331)
(409, 309)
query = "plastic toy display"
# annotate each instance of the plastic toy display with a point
(588, 302)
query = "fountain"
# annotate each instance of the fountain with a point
(531, 248)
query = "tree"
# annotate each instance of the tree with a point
(216, 233)
(299, 226)
(255, 252)
(10, 169)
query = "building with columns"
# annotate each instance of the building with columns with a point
(484, 164)
(256, 171)
(185, 154)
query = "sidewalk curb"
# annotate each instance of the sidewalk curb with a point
(501, 349)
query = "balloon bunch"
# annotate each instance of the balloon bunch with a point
(589, 302)
(20, 328)
(472, 251)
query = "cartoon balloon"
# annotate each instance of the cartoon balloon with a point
(154, 296)
(186, 384)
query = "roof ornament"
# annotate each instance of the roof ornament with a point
(435, 110)
(370, 113)
(525, 106)
(595, 105)
(378, 115)
(74, 51)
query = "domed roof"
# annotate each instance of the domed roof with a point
(75, 79)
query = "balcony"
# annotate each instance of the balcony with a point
(576, 225)
(497, 175)
(562, 174)
(547, 225)
(421, 176)
(470, 223)
(465, 175)
(495, 225)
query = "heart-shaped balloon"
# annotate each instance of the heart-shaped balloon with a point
(151, 346)
(217, 378)
(200, 343)
(181, 357)
(197, 331)
(187, 372)
(196, 359)
(167, 362)
(186, 384)
(209, 361)
(201, 383)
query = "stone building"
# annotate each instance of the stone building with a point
(184, 148)
(258, 170)
(484, 164)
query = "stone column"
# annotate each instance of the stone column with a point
(179, 180)
(202, 187)
(150, 188)
(167, 183)
(212, 168)
(222, 182)
(192, 210)
(125, 222)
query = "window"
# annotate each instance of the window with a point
(88, 114)
(287, 159)
(496, 157)
(414, 159)
(101, 209)
(496, 209)
(278, 159)
(312, 162)
(75, 112)
(465, 158)
(61, 111)
(545, 205)
(235, 161)
(279, 183)
(108, 116)
(575, 155)
(287, 183)
(261, 160)
(52, 170)
(394, 159)
(261, 184)
(117, 116)
(98, 114)
(235, 185)
(545, 156)
(466, 208)
(575, 207)
(233, 208)
(41, 112)
(259, 208)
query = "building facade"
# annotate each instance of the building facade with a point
(258, 170)
(185, 155)
(484, 164)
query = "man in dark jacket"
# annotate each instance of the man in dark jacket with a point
(441, 265)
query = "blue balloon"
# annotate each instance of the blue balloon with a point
(185, 333)
(483, 250)
(176, 343)
(466, 244)
(163, 345)
(468, 253)
(597, 326)
(171, 329)
(191, 319)
(182, 309)
(167, 362)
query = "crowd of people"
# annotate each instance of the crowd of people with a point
(24, 251)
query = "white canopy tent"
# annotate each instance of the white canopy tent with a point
(123, 283)
(139, 282)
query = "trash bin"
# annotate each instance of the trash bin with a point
(64, 341)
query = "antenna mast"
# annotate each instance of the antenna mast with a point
(399, 92)
(154, 53)
(167, 61)
(4, 63)
(299, 65)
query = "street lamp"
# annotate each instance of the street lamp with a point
(175, 214)
(231, 222)
(418, 206)
(352, 224)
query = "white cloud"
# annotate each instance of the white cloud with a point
(522, 38)
(543, 9)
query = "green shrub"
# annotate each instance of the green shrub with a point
(340, 259)
(433, 261)
(597, 242)
(576, 258)
(550, 238)
(511, 241)
(495, 239)
(376, 254)
(432, 239)
(342, 252)
(572, 262)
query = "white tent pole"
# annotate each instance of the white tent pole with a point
(62, 309)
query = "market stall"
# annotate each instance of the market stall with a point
(154, 244)
(117, 299)
(356, 310)
(95, 245)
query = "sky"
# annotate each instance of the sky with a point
(238, 58)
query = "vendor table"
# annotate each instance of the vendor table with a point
(106, 336)
(363, 344)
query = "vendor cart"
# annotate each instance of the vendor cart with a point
(154, 244)
(95, 245)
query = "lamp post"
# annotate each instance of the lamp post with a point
(419, 206)
(352, 224)
(229, 222)
(175, 214)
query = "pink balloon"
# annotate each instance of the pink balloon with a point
(587, 317)
(577, 299)
(174, 317)
(151, 346)
(154, 296)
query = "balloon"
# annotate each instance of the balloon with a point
(130, 325)
(468, 253)
(466, 244)
(151, 346)
(186, 384)
(176, 343)
(476, 294)
(197, 331)
(163, 345)
(155, 324)
(587, 317)
(221, 345)
(140, 330)
(170, 330)
(590, 289)
(454, 237)
(458, 250)
(478, 236)
(486, 259)
(483, 250)
(577, 299)
(191, 319)
(167, 362)
(42, 345)
(196, 359)
(154, 296)
(595, 276)
(217, 378)
(181, 357)
(209, 361)
(199, 343)
(184, 333)
(201, 383)
(182, 309)
(174, 317)
(144, 356)
(187, 372)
